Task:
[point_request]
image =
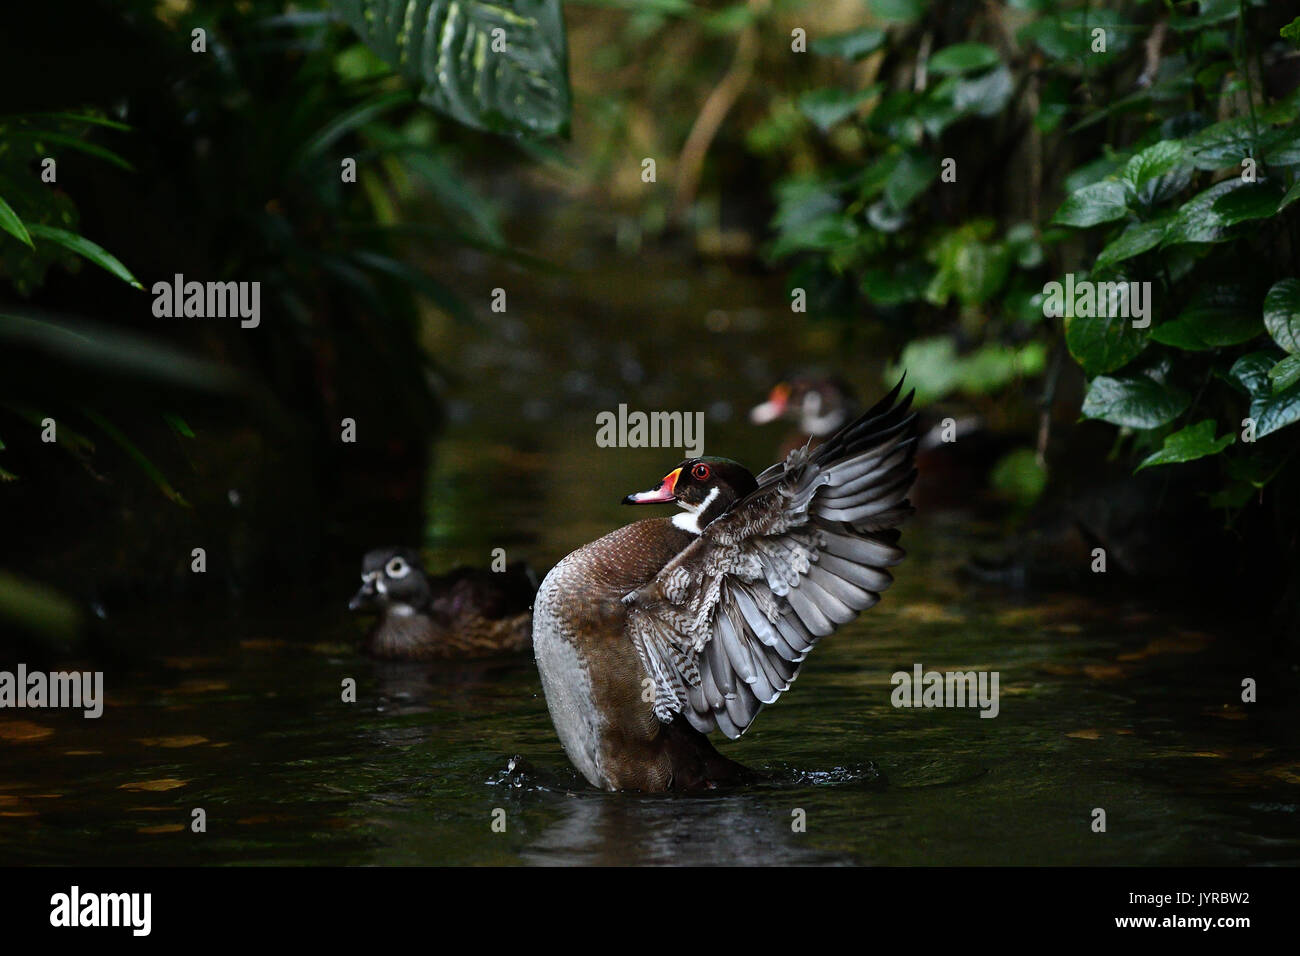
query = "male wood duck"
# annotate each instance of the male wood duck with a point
(466, 613)
(819, 404)
(660, 632)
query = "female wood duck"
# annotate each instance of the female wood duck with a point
(466, 613)
(667, 629)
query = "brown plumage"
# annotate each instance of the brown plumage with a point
(468, 612)
(664, 630)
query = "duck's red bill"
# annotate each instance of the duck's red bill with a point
(665, 492)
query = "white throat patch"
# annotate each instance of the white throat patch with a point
(690, 521)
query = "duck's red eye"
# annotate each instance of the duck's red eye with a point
(700, 472)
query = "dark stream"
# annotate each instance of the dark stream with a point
(1111, 704)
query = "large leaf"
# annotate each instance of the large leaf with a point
(86, 249)
(1197, 221)
(1217, 317)
(1282, 314)
(1101, 202)
(1158, 172)
(1252, 201)
(500, 65)
(1188, 444)
(1137, 238)
(1134, 401)
(1102, 344)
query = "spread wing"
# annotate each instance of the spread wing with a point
(725, 626)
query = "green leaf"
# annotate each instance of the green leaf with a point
(1188, 444)
(963, 58)
(1285, 373)
(72, 142)
(1102, 344)
(853, 45)
(1195, 221)
(1019, 476)
(1137, 238)
(352, 118)
(445, 47)
(135, 454)
(1283, 148)
(898, 11)
(896, 284)
(1215, 318)
(931, 365)
(1134, 401)
(1158, 172)
(828, 108)
(1291, 32)
(1252, 201)
(1270, 411)
(1291, 196)
(1222, 144)
(39, 609)
(914, 172)
(1251, 373)
(983, 95)
(1101, 202)
(11, 224)
(1282, 314)
(1152, 163)
(86, 249)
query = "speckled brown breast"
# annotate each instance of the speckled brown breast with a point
(591, 675)
(423, 637)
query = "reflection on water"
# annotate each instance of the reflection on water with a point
(1101, 707)
(1104, 704)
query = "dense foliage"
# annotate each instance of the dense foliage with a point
(1136, 142)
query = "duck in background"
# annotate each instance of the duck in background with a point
(468, 612)
(954, 454)
(818, 404)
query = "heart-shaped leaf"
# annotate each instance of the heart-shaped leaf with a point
(1196, 220)
(1188, 444)
(1103, 343)
(1101, 202)
(1285, 373)
(1216, 317)
(963, 58)
(1137, 238)
(1270, 411)
(1134, 401)
(1282, 314)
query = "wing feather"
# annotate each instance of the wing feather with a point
(724, 627)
